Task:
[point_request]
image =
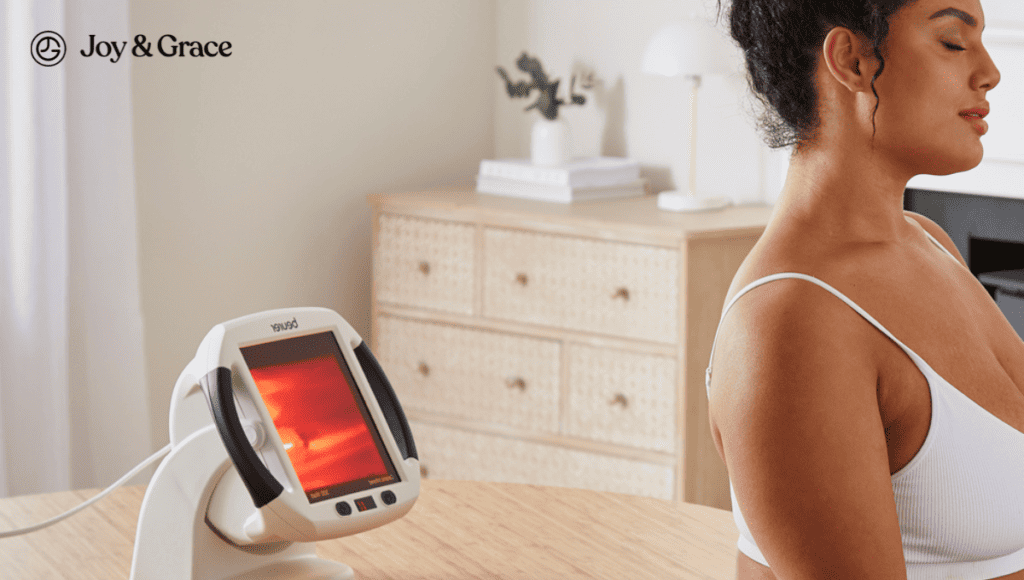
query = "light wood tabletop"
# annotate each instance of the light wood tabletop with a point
(457, 529)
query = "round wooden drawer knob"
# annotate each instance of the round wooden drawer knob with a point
(424, 369)
(619, 399)
(622, 293)
(516, 383)
(522, 279)
(424, 472)
(424, 268)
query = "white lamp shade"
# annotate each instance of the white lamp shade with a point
(688, 48)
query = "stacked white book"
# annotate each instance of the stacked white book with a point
(577, 180)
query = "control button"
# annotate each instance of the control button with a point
(366, 503)
(388, 497)
(343, 508)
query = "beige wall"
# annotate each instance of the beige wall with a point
(252, 171)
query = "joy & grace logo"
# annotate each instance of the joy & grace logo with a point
(49, 48)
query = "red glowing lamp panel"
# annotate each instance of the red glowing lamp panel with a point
(318, 419)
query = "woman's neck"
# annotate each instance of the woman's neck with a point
(853, 195)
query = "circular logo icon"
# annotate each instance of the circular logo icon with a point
(48, 48)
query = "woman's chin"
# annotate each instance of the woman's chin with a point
(964, 163)
(949, 162)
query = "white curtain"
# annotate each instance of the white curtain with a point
(73, 408)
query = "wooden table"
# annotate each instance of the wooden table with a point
(457, 529)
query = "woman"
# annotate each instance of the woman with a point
(868, 401)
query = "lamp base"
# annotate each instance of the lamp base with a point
(683, 202)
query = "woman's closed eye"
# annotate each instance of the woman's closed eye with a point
(952, 46)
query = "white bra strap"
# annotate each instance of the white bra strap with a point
(941, 247)
(707, 375)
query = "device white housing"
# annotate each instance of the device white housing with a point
(198, 520)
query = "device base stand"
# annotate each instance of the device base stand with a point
(174, 540)
(300, 569)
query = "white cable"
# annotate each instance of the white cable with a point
(91, 500)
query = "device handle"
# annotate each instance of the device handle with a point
(262, 485)
(387, 400)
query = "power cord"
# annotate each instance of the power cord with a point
(149, 461)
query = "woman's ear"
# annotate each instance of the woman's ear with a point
(845, 55)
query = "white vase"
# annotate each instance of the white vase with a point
(549, 142)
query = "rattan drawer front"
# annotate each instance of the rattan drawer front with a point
(425, 263)
(472, 374)
(611, 288)
(622, 397)
(447, 453)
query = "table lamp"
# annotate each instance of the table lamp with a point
(693, 49)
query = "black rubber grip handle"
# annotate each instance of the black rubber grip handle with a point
(387, 400)
(262, 485)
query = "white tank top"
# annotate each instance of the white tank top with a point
(960, 500)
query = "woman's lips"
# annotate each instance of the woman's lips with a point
(980, 125)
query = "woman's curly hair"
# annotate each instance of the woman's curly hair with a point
(781, 41)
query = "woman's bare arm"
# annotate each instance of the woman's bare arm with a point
(794, 402)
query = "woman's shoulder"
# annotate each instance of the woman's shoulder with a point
(781, 253)
(936, 232)
(803, 309)
(842, 263)
(796, 300)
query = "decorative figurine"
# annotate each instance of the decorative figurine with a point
(547, 102)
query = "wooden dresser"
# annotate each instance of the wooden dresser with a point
(566, 345)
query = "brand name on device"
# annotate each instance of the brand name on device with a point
(289, 325)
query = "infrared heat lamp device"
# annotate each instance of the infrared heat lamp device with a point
(284, 431)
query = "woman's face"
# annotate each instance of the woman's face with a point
(936, 68)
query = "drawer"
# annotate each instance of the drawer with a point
(425, 263)
(472, 374)
(612, 288)
(447, 453)
(622, 397)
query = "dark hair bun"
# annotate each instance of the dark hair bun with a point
(781, 41)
